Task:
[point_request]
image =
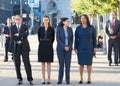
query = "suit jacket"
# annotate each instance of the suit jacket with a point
(116, 31)
(23, 34)
(6, 30)
(60, 36)
(94, 23)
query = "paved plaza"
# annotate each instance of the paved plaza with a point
(102, 75)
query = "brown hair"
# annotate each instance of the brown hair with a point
(49, 24)
(61, 21)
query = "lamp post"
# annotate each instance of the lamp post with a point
(31, 15)
(20, 7)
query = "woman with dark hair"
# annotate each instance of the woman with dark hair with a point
(64, 38)
(7, 32)
(85, 46)
(45, 49)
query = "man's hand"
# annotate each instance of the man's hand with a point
(16, 34)
(113, 37)
(7, 35)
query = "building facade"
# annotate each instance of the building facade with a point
(55, 9)
(25, 8)
(5, 10)
(12, 7)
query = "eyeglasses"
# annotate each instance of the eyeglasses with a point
(17, 19)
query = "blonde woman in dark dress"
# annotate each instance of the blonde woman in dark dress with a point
(45, 49)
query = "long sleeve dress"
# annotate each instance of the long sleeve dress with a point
(85, 42)
(45, 49)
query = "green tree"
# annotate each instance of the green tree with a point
(94, 6)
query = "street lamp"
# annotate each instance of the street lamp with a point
(20, 7)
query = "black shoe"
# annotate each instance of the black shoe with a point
(109, 63)
(31, 83)
(116, 64)
(80, 82)
(6, 60)
(67, 82)
(48, 83)
(89, 82)
(20, 82)
(43, 83)
(12, 58)
(59, 82)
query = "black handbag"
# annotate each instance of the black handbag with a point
(12, 46)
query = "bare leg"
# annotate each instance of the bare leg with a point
(89, 69)
(43, 71)
(81, 72)
(49, 70)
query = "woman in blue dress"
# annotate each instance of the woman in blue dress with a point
(85, 46)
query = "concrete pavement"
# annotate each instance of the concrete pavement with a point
(102, 75)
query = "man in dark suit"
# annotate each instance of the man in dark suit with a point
(113, 32)
(93, 21)
(19, 35)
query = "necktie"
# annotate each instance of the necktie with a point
(113, 25)
(18, 27)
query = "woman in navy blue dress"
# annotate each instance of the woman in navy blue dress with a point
(85, 46)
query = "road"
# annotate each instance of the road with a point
(102, 74)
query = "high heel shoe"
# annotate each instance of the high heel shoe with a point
(80, 82)
(43, 82)
(48, 83)
(89, 82)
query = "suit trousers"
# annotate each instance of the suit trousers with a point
(7, 42)
(119, 51)
(113, 44)
(64, 58)
(25, 57)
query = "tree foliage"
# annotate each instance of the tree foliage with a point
(94, 6)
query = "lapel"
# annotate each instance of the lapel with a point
(68, 30)
(15, 29)
(21, 28)
(109, 24)
(63, 33)
(115, 27)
